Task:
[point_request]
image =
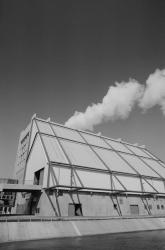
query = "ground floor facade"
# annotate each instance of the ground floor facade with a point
(65, 203)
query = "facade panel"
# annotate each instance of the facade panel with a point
(53, 149)
(113, 161)
(36, 161)
(118, 146)
(34, 131)
(130, 183)
(82, 155)
(63, 175)
(94, 140)
(67, 133)
(94, 180)
(139, 165)
(44, 127)
(156, 166)
(137, 151)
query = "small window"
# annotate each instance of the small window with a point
(37, 210)
(134, 209)
(162, 206)
(121, 201)
(158, 207)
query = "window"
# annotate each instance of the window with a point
(38, 177)
(162, 206)
(158, 207)
(37, 210)
(75, 209)
(121, 201)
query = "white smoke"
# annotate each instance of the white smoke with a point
(120, 100)
(155, 91)
(116, 104)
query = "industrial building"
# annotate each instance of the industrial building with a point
(85, 174)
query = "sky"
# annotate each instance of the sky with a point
(59, 56)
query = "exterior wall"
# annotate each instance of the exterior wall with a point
(30, 230)
(22, 154)
(97, 204)
(37, 160)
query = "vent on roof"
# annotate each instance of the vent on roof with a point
(99, 134)
(48, 119)
(119, 139)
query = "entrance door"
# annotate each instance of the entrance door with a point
(75, 209)
(38, 177)
(134, 209)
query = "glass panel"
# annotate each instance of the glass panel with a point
(94, 140)
(81, 155)
(156, 166)
(139, 165)
(158, 185)
(131, 183)
(118, 146)
(67, 133)
(94, 180)
(63, 175)
(44, 127)
(149, 154)
(137, 151)
(116, 184)
(53, 149)
(113, 161)
(147, 187)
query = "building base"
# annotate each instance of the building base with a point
(31, 228)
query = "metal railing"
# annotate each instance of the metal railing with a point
(8, 181)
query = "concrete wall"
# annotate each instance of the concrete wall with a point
(54, 204)
(17, 231)
(37, 160)
(21, 155)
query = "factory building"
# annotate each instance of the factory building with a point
(85, 174)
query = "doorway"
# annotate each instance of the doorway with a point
(74, 209)
(38, 177)
(134, 209)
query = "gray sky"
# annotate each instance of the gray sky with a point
(59, 56)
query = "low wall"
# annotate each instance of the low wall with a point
(30, 230)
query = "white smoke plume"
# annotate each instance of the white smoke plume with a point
(116, 104)
(155, 91)
(120, 100)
